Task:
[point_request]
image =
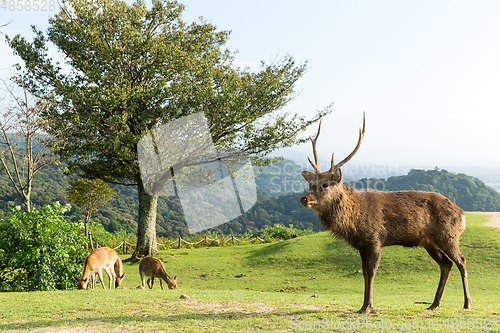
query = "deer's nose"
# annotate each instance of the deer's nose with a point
(304, 200)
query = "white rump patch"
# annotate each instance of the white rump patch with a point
(463, 221)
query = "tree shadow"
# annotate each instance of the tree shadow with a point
(185, 317)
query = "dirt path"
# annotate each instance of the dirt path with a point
(494, 219)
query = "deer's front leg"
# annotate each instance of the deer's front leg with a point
(370, 259)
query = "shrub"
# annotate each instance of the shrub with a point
(39, 250)
(278, 231)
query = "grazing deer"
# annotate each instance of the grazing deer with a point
(101, 258)
(370, 220)
(118, 272)
(153, 268)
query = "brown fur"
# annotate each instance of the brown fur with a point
(101, 258)
(119, 272)
(152, 268)
(370, 220)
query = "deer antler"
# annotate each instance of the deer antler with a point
(315, 153)
(345, 160)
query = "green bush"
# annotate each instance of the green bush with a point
(39, 250)
(278, 231)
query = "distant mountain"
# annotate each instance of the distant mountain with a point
(469, 193)
(282, 178)
(353, 170)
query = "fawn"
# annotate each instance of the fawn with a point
(152, 268)
(101, 258)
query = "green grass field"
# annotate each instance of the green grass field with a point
(310, 283)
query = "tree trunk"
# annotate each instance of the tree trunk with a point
(27, 202)
(146, 229)
(86, 223)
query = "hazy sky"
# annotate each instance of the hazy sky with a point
(427, 73)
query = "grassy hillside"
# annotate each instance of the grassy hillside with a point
(274, 287)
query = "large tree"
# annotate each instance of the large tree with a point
(132, 69)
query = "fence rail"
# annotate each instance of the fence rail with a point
(178, 241)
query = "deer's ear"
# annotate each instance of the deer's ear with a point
(337, 176)
(308, 175)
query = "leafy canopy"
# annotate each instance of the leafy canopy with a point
(132, 69)
(89, 194)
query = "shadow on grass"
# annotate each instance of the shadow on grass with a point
(143, 318)
(270, 250)
(324, 253)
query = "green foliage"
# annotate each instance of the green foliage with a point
(50, 185)
(39, 250)
(278, 231)
(89, 194)
(99, 234)
(134, 68)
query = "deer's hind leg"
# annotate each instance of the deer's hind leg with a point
(445, 264)
(111, 275)
(143, 280)
(99, 272)
(453, 252)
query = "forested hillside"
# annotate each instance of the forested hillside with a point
(279, 191)
(469, 193)
(120, 213)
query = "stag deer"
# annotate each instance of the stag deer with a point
(153, 268)
(370, 220)
(101, 258)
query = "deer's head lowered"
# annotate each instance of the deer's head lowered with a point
(325, 186)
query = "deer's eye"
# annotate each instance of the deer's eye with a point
(325, 185)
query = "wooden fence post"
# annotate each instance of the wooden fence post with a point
(206, 241)
(180, 240)
(91, 243)
(124, 247)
